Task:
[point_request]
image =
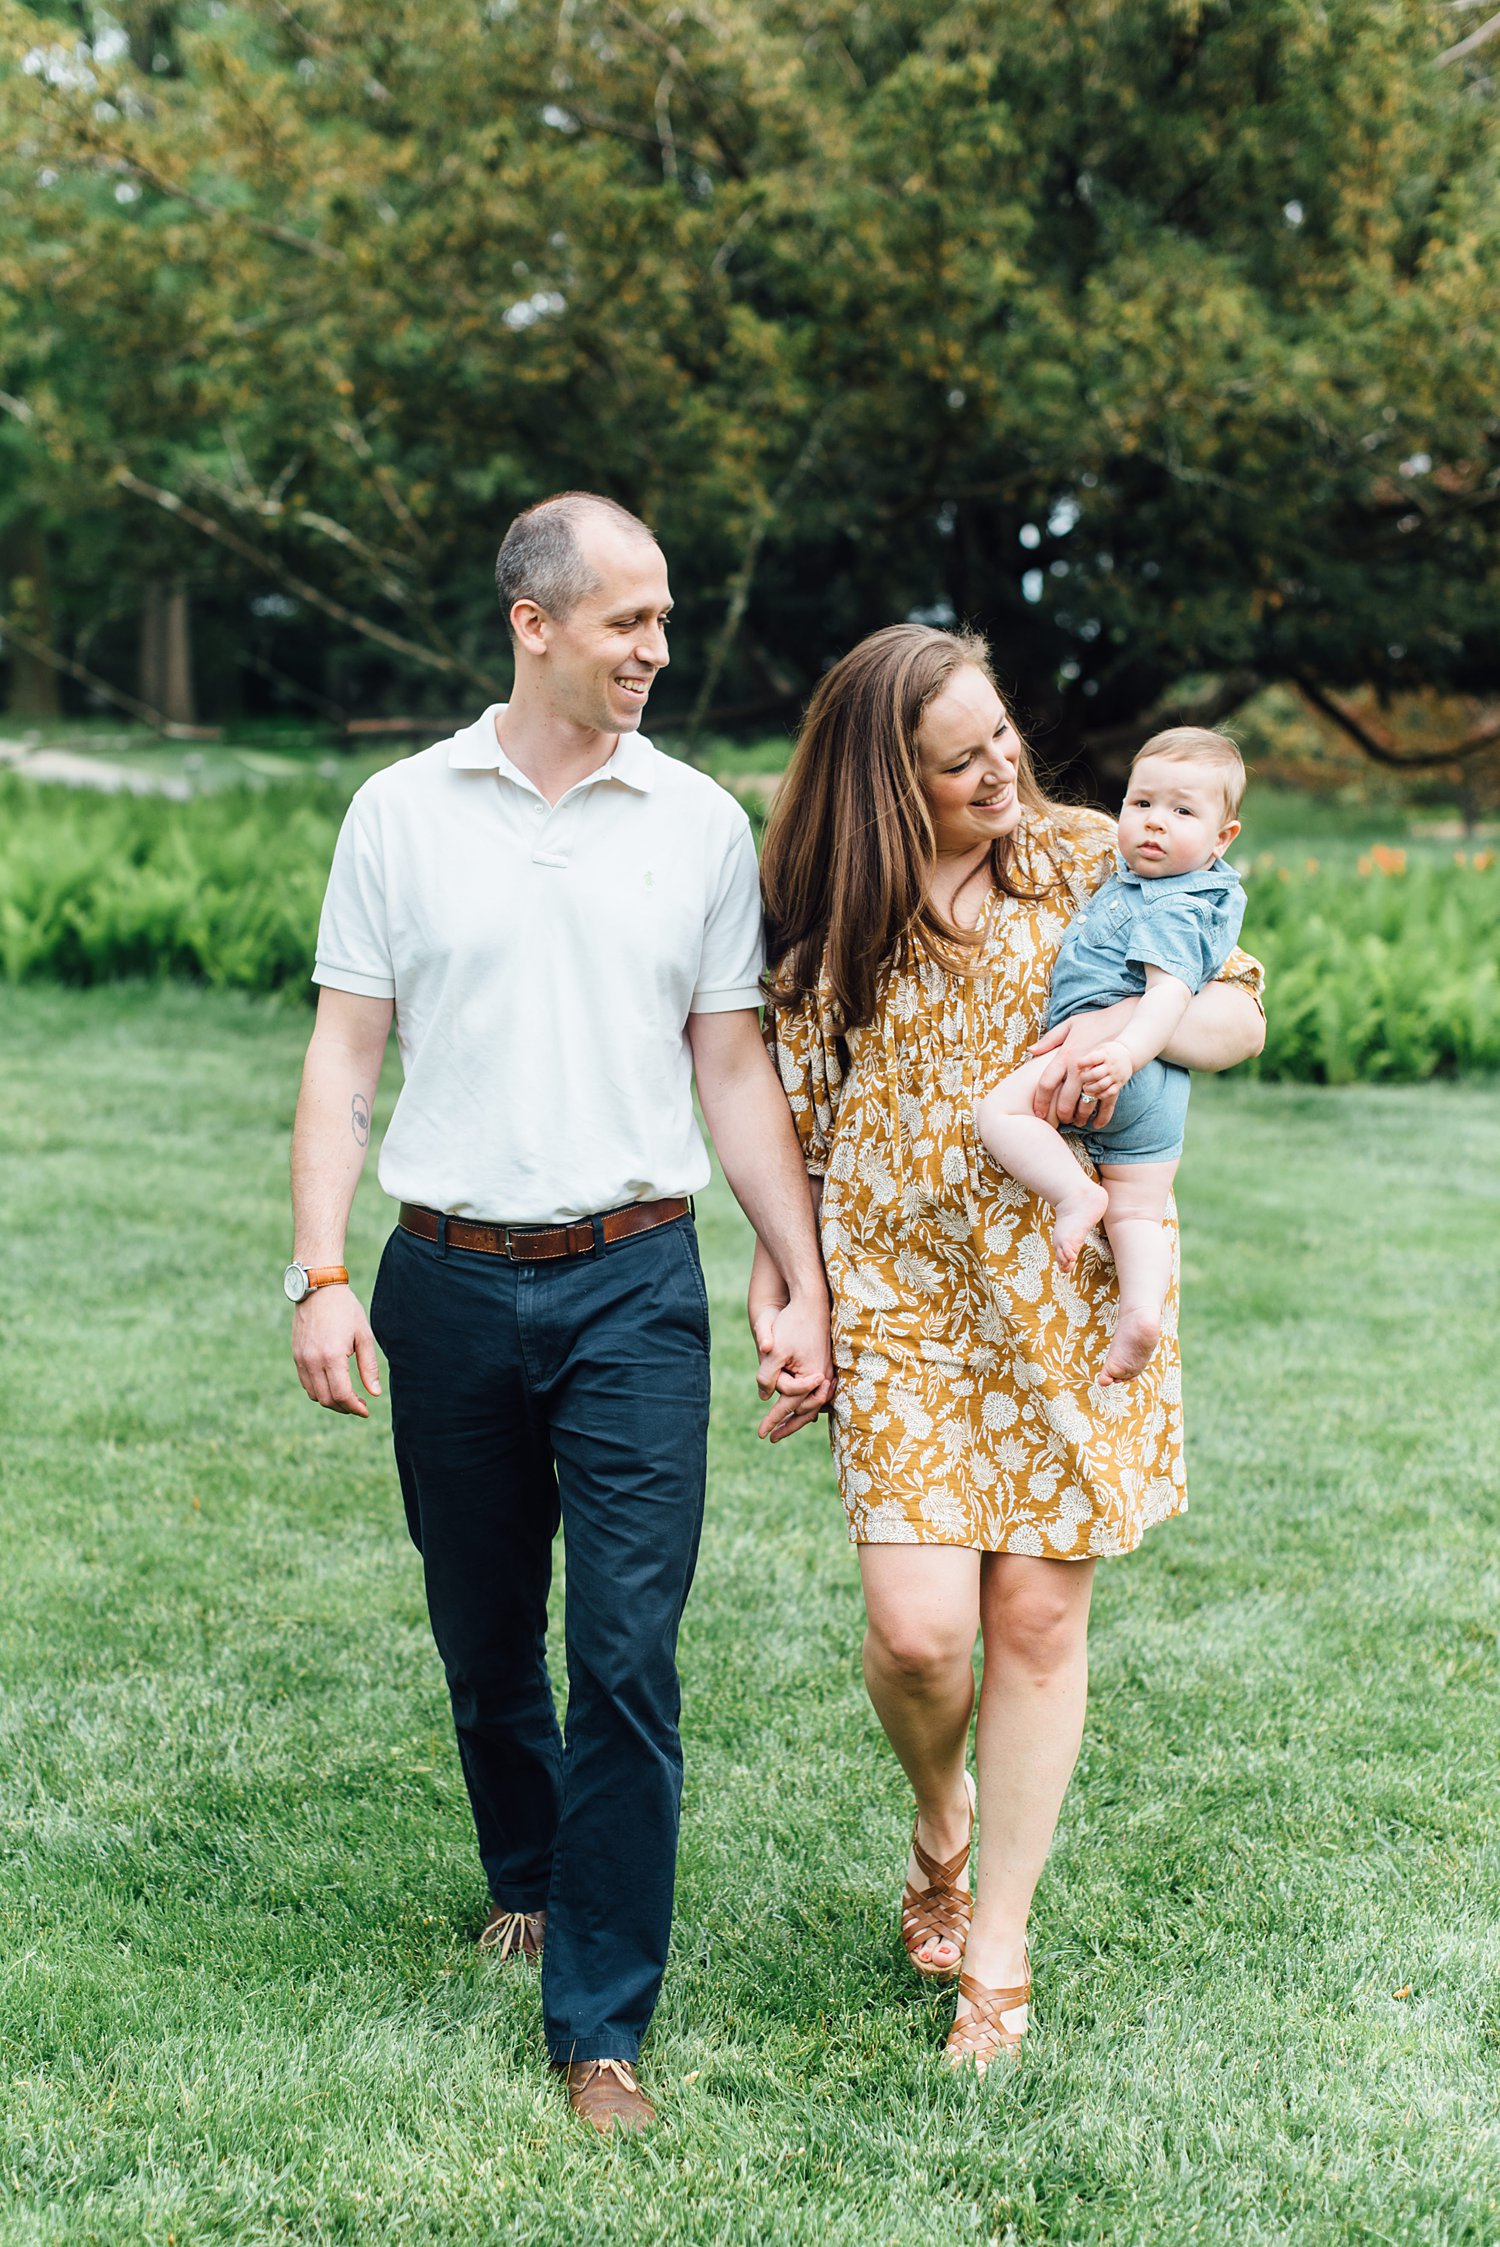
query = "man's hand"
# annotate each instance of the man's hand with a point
(1107, 1070)
(796, 1363)
(328, 1328)
(1061, 1096)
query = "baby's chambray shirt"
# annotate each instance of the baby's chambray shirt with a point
(1185, 924)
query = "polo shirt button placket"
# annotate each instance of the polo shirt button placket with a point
(547, 849)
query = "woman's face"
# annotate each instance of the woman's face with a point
(969, 751)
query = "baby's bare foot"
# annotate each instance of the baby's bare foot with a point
(1076, 1219)
(1137, 1333)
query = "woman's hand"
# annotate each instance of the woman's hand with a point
(1061, 1096)
(795, 1373)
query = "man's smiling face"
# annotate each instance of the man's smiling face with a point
(603, 656)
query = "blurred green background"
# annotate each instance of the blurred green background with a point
(1160, 343)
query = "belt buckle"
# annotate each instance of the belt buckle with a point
(510, 1250)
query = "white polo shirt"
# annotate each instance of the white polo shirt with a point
(544, 959)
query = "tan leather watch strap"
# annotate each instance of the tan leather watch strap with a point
(326, 1275)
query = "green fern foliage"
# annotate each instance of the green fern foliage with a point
(1385, 969)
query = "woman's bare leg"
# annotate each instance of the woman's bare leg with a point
(922, 1603)
(1035, 1616)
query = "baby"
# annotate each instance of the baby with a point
(1161, 927)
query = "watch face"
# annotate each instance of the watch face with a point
(294, 1282)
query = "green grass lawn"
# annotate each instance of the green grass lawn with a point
(239, 2000)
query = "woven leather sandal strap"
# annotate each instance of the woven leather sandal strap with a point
(988, 2003)
(935, 1870)
(927, 1912)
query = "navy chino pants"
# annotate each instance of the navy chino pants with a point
(521, 1395)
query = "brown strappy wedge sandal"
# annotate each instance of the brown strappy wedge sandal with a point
(940, 1912)
(981, 2036)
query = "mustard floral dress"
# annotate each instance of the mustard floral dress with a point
(967, 1411)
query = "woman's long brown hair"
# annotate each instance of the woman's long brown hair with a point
(849, 848)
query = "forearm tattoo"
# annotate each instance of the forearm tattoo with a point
(359, 1119)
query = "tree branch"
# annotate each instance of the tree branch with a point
(359, 444)
(271, 509)
(55, 660)
(1208, 707)
(255, 661)
(96, 145)
(1475, 39)
(328, 52)
(172, 504)
(677, 64)
(740, 583)
(1488, 737)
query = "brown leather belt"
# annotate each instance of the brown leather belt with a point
(541, 1244)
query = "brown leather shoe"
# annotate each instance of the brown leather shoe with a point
(604, 2093)
(514, 1934)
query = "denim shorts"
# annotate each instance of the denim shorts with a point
(1149, 1119)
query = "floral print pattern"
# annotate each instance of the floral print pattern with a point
(967, 1412)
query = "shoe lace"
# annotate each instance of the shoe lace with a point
(621, 2070)
(510, 1934)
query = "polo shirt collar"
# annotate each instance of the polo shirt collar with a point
(1219, 876)
(476, 748)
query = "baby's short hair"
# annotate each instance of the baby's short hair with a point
(1196, 745)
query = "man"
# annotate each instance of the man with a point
(565, 926)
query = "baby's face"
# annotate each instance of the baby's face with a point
(1172, 820)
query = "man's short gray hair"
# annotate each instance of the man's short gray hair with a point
(541, 559)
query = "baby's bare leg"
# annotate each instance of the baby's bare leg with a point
(1040, 1157)
(1143, 1258)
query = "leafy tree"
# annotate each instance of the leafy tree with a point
(1159, 341)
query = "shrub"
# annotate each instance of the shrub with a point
(1388, 969)
(224, 890)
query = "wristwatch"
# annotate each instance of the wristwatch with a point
(297, 1282)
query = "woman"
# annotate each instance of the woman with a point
(917, 886)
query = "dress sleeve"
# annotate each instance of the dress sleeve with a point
(803, 1045)
(1242, 967)
(1083, 851)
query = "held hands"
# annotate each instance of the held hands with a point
(796, 1362)
(328, 1328)
(1062, 1097)
(1106, 1070)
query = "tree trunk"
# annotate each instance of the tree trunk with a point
(28, 585)
(166, 676)
(152, 32)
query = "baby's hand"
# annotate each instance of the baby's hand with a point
(1106, 1069)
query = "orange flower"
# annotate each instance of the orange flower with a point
(1483, 861)
(1310, 866)
(1389, 861)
